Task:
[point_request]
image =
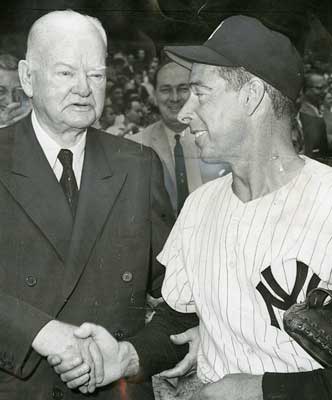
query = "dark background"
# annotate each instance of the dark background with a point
(154, 23)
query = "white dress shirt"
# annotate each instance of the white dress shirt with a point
(51, 150)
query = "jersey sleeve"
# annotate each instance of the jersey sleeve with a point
(177, 288)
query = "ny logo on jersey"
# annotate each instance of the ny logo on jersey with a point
(284, 300)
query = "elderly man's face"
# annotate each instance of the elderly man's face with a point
(69, 83)
(217, 121)
(172, 91)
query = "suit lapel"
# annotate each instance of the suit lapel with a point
(100, 186)
(160, 143)
(26, 173)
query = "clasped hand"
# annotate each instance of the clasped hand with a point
(86, 357)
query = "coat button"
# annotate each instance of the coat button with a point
(119, 335)
(57, 393)
(9, 364)
(31, 281)
(127, 276)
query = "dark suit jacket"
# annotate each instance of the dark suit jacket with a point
(97, 268)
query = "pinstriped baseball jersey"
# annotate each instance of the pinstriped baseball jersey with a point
(241, 265)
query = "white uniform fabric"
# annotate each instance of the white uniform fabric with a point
(222, 254)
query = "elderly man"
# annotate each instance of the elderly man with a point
(14, 104)
(83, 215)
(247, 246)
(171, 139)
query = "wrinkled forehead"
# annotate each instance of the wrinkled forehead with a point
(80, 43)
(173, 74)
(202, 74)
(90, 53)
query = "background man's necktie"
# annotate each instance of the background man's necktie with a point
(68, 180)
(180, 173)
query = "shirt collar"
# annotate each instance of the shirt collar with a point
(171, 133)
(51, 148)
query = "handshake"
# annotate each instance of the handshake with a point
(85, 357)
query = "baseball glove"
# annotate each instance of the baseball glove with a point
(310, 325)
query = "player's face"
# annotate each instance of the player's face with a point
(68, 86)
(218, 106)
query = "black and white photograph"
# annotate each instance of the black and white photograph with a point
(166, 199)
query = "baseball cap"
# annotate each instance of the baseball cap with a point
(242, 41)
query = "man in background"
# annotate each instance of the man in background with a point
(311, 116)
(171, 139)
(14, 104)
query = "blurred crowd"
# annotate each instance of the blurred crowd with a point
(313, 122)
(129, 102)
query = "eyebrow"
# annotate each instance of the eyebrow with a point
(96, 68)
(62, 64)
(169, 85)
(200, 84)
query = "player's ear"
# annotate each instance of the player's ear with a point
(24, 73)
(252, 94)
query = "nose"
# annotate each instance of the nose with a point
(82, 86)
(174, 96)
(186, 113)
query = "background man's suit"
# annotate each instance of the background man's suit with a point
(97, 268)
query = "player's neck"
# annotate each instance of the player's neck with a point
(270, 166)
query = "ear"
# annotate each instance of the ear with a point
(252, 95)
(24, 73)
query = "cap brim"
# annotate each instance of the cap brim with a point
(187, 55)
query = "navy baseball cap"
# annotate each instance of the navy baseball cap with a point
(242, 41)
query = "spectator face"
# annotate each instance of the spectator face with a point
(328, 100)
(13, 102)
(141, 54)
(108, 116)
(138, 78)
(10, 88)
(131, 59)
(154, 63)
(67, 85)
(151, 74)
(316, 87)
(117, 96)
(172, 91)
(135, 113)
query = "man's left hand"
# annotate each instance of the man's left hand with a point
(233, 387)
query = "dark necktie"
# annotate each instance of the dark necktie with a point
(68, 180)
(180, 173)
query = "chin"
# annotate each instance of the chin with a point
(81, 123)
